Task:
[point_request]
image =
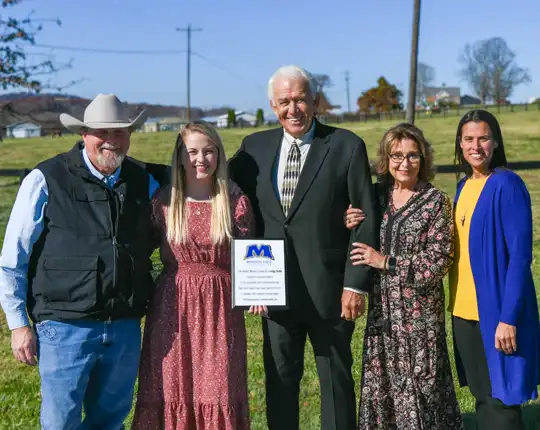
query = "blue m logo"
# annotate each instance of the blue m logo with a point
(259, 251)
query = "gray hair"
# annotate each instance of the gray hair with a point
(292, 71)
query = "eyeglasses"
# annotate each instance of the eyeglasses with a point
(412, 158)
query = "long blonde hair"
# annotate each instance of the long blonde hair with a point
(177, 211)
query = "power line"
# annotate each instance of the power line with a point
(111, 51)
(135, 52)
(188, 30)
(241, 78)
(189, 52)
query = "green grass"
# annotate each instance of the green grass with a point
(19, 385)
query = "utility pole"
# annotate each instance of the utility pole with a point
(347, 78)
(188, 30)
(411, 105)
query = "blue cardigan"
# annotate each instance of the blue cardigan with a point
(500, 249)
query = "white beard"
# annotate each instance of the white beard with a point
(110, 162)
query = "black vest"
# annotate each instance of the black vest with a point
(92, 260)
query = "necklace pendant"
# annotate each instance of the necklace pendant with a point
(463, 220)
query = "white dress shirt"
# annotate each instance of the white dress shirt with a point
(304, 143)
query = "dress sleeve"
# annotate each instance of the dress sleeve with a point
(432, 264)
(243, 219)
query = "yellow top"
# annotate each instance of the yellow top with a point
(463, 302)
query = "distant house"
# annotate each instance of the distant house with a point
(436, 95)
(470, 100)
(171, 123)
(222, 121)
(211, 119)
(151, 125)
(23, 130)
(243, 119)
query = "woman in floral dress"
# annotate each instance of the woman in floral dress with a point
(407, 380)
(193, 362)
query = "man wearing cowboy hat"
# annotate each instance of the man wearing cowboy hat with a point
(75, 261)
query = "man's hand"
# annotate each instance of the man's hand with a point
(24, 345)
(260, 310)
(505, 338)
(352, 305)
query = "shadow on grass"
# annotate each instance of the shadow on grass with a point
(531, 418)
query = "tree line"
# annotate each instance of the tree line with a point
(488, 66)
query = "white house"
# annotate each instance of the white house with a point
(246, 119)
(169, 123)
(222, 121)
(151, 125)
(211, 120)
(23, 130)
(436, 95)
(243, 119)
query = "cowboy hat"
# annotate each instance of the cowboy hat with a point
(105, 111)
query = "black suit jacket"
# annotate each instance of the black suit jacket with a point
(336, 173)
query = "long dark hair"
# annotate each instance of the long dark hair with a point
(499, 157)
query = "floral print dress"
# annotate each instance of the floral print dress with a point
(193, 371)
(407, 378)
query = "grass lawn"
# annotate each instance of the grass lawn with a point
(19, 385)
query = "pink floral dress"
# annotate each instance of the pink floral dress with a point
(193, 365)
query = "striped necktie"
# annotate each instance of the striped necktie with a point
(290, 178)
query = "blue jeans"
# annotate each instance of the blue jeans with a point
(90, 363)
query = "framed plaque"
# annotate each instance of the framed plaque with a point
(258, 273)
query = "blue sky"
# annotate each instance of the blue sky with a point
(244, 41)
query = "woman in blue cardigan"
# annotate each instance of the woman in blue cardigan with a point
(492, 295)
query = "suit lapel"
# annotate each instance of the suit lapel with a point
(268, 170)
(316, 155)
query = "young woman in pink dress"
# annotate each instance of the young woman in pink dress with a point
(193, 365)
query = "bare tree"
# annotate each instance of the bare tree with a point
(490, 68)
(424, 79)
(323, 81)
(506, 74)
(19, 67)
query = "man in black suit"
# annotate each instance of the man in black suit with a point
(300, 179)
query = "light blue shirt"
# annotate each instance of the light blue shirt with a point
(24, 228)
